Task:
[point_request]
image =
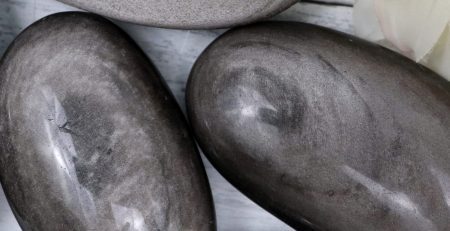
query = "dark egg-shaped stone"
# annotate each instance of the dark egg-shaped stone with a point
(185, 14)
(90, 138)
(326, 131)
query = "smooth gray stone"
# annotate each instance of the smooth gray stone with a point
(325, 130)
(186, 14)
(90, 138)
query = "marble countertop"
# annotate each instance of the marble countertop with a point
(173, 53)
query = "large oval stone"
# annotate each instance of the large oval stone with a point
(186, 14)
(325, 130)
(90, 138)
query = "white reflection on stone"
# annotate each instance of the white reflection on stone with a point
(444, 182)
(248, 104)
(63, 151)
(398, 202)
(128, 218)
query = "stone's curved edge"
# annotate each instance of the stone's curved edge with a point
(305, 225)
(185, 24)
(197, 159)
(242, 187)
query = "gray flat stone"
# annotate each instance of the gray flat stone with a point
(90, 138)
(187, 14)
(326, 131)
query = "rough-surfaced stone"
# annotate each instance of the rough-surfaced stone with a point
(186, 14)
(90, 138)
(325, 130)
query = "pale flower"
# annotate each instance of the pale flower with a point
(419, 29)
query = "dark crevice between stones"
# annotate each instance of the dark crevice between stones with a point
(327, 3)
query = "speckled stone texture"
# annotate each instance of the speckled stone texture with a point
(186, 14)
(90, 139)
(325, 130)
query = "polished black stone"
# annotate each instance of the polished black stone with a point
(90, 138)
(325, 130)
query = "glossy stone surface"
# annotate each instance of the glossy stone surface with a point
(325, 130)
(90, 139)
(186, 14)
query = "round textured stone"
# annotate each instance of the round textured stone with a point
(187, 14)
(90, 138)
(324, 130)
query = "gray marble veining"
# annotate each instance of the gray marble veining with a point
(90, 138)
(187, 14)
(324, 130)
(7, 220)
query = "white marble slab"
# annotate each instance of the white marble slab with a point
(173, 53)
